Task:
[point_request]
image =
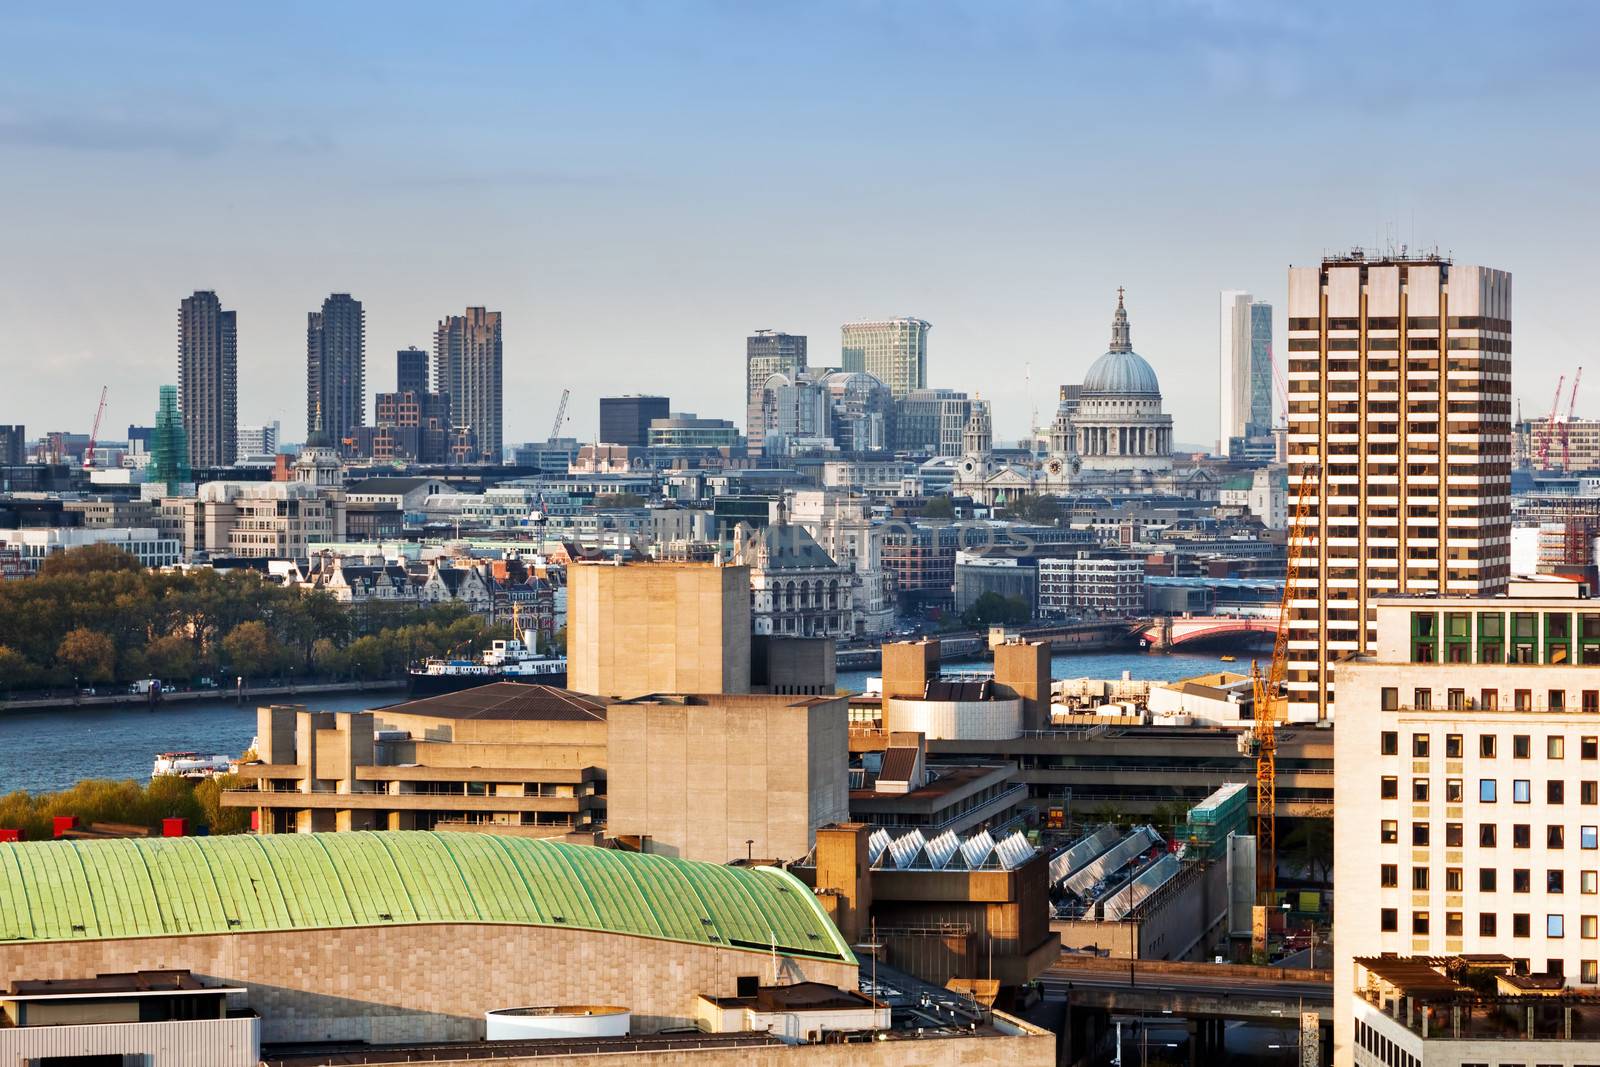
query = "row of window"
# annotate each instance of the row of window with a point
(1555, 745)
(1555, 926)
(1488, 835)
(1388, 1053)
(1555, 881)
(1555, 790)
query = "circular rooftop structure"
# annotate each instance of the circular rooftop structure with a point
(1122, 373)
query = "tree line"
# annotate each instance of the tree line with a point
(93, 616)
(99, 800)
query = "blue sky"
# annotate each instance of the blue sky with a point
(638, 185)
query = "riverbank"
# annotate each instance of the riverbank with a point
(246, 695)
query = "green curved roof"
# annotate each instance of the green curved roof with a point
(156, 887)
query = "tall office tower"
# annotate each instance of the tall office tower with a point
(411, 371)
(13, 445)
(1260, 422)
(1233, 359)
(894, 351)
(169, 445)
(336, 367)
(1400, 433)
(767, 352)
(625, 420)
(466, 365)
(208, 379)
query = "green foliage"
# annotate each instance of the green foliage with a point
(1309, 846)
(619, 500)
(93, 613)
(101, 800)
(939, 507)
(1043, 510)
(991, 608)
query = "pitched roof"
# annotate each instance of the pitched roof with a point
(244, 883)
(508, 700)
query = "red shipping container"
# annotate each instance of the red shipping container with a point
(174, 827)
(10, 835)
(63, 823)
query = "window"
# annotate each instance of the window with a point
(1389, 832)
(1554, 836)
(1485, 746)
(1389, 743)
(1589, 792)
(1452, 879)
(1521, 791)
(1486, 924)
(1487, 876)
(1589, 971)
(1521, 744)
(1554, 926)
(1520, 925)
(1487, 790)
(1419, 924)
(1388, 920)
(1591, 697)
(1452, 746)
(1419, 878)
(1452, 835)
(1557, 698)
(1555, 791)
(1589, 837)
(1390, 698)
(1589, 882)
(1452, 924)
(1489, 699)
(1419, 746)
(1589, 748)
(1388, 787)
(1555, 746)
(1522, 699)
(1486, 835)
(1452, 790)
(1521, 835)
(1419, 834)
(1419, 790)
(1521, 880)
(1388, 876)
(1555, 881)
(1589, 926)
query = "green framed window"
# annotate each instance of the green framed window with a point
(1557, 637)
(1424, 637)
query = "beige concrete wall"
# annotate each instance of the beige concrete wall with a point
(430, 982)
(658, 628)
(702, 778)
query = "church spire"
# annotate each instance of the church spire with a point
(1121, 341)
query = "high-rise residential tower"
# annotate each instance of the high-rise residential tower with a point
(894, 351)
(1244, 358)
(1399, 430)
(767, 352)
(467, 366)
(411, 371)
(336, 367)
(208, 379)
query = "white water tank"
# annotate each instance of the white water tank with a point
(559, 1021)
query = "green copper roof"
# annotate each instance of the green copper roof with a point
(155, 887)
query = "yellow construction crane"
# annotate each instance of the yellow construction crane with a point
(1270, 699)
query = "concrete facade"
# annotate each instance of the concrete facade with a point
(723, 777)
(658, 628)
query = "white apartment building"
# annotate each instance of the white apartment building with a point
(1109, 585)
(894, 351)
(1467, 771)
(1399, 430)
(146, 544)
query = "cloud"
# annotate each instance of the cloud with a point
(112, 133)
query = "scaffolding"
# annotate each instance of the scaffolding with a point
(1224, 812)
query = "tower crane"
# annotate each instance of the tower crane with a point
(1572, 406)
(1550, 426)
(1262, 740)
(561, 415)
(94, 431)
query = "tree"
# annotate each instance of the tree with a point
(1310, 843)
(15, 670)
(251, 649)
(89, 655)
(1042, 510)
(171, 658)
(618, 500)
(991, 608)
(87, 560)
(939, 507)
(208, 797)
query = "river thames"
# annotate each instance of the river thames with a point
(47, 750)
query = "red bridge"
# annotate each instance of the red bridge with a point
(1168, 632)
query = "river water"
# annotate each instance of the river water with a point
(47, 750)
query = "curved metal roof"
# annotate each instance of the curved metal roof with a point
(1122, 372)
(173, 887)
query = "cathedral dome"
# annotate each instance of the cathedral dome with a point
(1121, 370)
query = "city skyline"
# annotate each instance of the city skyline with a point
(1009, 237)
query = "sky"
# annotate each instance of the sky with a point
(637, 186)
